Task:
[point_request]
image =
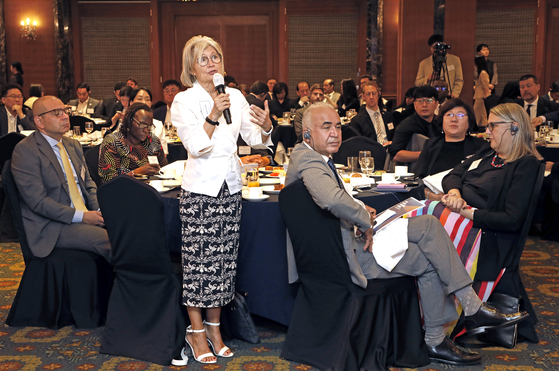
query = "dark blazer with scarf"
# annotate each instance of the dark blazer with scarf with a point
(508, 204)
(433, 147)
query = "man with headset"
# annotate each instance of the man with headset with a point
(430, 254)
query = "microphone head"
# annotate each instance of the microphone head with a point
(218, 79)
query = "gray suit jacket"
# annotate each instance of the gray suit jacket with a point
(44, 190)
(92, 104)
(310, 166)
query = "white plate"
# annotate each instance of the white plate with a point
(270, 189)
(266, 181)
(256, 199)
(353, 193)
(406, 174)
(165, 189)
(165, 177)
(263, 170)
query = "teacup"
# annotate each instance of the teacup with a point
(389, 177)
(400, 170)
(170, 172)
(157, 184)
(254, 192)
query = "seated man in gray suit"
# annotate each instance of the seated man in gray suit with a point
(59, 198)
(430, 254)
(85, 105)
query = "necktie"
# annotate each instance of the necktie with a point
(74, 193)
(378, 128)
(333, 168)
(528, 109)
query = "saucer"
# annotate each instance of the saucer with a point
(256, 199)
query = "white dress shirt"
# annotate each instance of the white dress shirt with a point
(12, 121)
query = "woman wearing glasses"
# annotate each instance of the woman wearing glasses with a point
(498, 183)
(210, 203)
(445, 152)
(126, 150)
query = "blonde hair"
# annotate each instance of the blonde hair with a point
(190, 54)
(522, 143)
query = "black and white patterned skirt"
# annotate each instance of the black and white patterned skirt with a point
(210, 243)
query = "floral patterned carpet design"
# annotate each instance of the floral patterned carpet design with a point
(30, 348)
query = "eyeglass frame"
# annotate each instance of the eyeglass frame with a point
(425, 100)
(491, 125)
(66, 110)
(198, 60)
(452, 115)
(143, 126)
(14, 96)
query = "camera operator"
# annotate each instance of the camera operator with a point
(441, 65)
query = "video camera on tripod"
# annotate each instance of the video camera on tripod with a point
(439, 64)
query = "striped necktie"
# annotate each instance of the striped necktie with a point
(378, 128)
(75, 196)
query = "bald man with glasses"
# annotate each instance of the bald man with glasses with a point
(59, 207)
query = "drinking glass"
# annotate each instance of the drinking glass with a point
(104, 132)
(89, 127)
(293, 113)
(286, 117)
(366, 162)
(352, 113)
(253, 178)
(77, 132)
(353, 164)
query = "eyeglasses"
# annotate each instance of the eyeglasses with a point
(425, 100)
(14, 96)
(169, 91)
(491, 125)
(371, 93)
(143, 126)
(443, 88)
(58, 112)
(458, 115)
(203, 60)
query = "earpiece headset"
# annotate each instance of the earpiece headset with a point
(513, 129)
(307, 135)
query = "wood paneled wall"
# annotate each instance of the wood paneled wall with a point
(37, 57)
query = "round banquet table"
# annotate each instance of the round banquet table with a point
(262, 263)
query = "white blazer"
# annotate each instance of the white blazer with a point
(212, 161)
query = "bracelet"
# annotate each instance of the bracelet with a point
(428, 192)
(212, 122)
(269, 131)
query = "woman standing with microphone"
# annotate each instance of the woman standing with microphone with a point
(210, 202)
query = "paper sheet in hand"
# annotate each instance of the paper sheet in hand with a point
(396, 211)
(435, 181)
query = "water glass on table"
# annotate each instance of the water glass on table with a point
(253, 178)
(353, 164)
(77, 132)
(367, 162)
(89, 127)
(286, 117)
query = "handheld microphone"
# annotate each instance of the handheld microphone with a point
(219, 84)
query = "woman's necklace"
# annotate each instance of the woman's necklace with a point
(497, 165)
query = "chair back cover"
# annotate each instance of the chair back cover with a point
(144, 319)
(7, 144)
(79, 121)
(352, 146)
(335, 324)
(92, 160)
(348, 132)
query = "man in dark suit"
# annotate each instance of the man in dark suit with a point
(428, 252)
(539, 110)
(85, 105)
(170, 89)
(258, 92)
(553, 93)
(316, 95)
(370, 122)
(107, 108)
(59, 197)
(303, 92)
(14, 117)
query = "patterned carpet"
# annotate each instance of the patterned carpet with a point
(77, 349)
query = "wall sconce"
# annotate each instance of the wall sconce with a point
(29, 30)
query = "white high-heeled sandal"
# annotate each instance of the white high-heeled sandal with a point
(202, 356)
(222, 350)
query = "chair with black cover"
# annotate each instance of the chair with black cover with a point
(91, 157)
(68, 287)
(145, 319)
(335, 324)
(7, 144)
(80, 121)
(348, 132)
(352, 146)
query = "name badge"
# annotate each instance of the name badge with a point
(451, 67)
(82, 175)
(152, 160)
(390, 126)
(244, 150)
(474, 165)
(205, 108)
(89, 111)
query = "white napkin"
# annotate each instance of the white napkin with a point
(391, 243)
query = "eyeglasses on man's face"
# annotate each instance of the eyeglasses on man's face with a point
(13, 96)
(204, 60)
(58, 112)
(142, 125)
(425, 100)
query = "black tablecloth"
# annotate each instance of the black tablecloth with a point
(549, 154)
(262, 264)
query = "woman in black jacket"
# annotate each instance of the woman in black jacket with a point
(349, 98)
(280, 102)
(443, 153)
(498, 183)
